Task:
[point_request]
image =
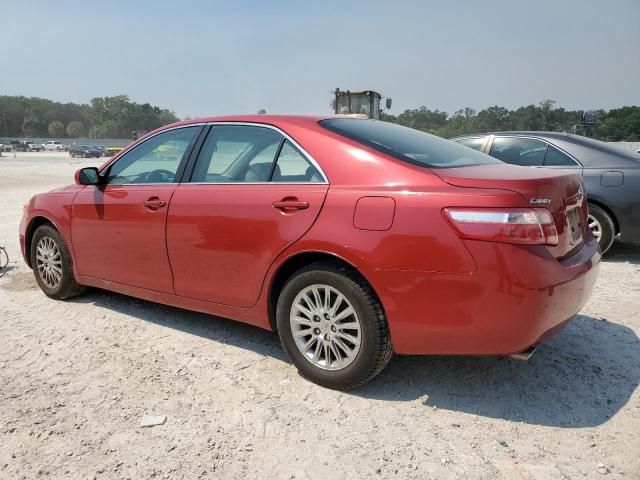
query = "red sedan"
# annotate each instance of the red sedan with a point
(352, 238)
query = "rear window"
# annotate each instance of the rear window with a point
(407, 144)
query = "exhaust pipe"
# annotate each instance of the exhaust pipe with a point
(523, 356)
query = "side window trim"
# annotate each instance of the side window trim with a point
(274, 162)
(104, 173)
(188, 177)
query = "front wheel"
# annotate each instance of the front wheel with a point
(333, 327)
(51, 263)
(601, 226)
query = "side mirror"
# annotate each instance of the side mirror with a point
(87, 176)
(388, 103)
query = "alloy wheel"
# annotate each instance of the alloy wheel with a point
(325, 327)
(49, 262)
(595, 226)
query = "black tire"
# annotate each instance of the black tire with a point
(67, 287)
(607, 228)
(375, 348)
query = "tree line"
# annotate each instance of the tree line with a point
(103, 117)
(618, 124)
(118, 117)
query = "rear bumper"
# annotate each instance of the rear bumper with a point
(517, 297)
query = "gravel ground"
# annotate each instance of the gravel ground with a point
(77, 377)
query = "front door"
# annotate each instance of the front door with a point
(252, 194)
(118, 228)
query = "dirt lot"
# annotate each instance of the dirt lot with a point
(77, 377)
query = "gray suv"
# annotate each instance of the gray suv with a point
(611, 174)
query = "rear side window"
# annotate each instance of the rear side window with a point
(526, 152)
(292, 166)
(236, 154)
(407, 144)
(475, 143)
(556, 158)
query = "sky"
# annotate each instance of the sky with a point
(200, 58)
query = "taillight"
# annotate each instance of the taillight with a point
(529, 226)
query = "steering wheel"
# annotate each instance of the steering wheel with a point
(158, 176)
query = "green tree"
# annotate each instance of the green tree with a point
(56, 129)
(75, 129)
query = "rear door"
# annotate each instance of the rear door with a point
(253, 192)
(118, 227)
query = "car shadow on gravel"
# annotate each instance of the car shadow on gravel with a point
(209, 327)
(580, 378)
(623, 253)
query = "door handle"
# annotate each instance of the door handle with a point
(290, 205)
(154, 203)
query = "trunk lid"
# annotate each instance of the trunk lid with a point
(559, 191)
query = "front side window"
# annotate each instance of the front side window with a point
(527, 152)
(407, 144)
(155, 160)
(556, 158)
(293, 167)
(237, 153)
(475, 143)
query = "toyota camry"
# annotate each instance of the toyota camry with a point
(353, 239)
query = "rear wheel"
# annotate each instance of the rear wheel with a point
(333, 327)
(52, 266)
(601, 226)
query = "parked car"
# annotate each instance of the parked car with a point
(34, 147)
(352, 238)
(611, 174)
(24, 146)
(84, 151)
(5, 146)
(55, 146)
(18, 146)
(100, 148)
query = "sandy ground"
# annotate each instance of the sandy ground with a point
(77, 377)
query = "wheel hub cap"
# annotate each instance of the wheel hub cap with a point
(49, 262)
(595, 227)
(325, 327)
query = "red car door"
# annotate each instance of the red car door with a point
(118, 228)
(241, 209)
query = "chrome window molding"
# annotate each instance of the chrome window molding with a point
(251, 183)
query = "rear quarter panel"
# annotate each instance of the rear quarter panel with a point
(623, 201)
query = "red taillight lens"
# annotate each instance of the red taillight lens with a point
(529, 226)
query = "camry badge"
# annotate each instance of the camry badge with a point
(540, 201)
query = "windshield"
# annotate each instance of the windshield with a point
(407, 144)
